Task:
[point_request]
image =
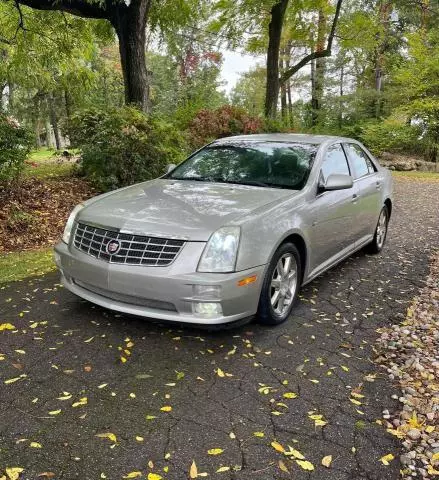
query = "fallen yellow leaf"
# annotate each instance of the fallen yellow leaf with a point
(294, 453)
(55, 412)
(66, 396)
(305, 465)
(6, 326)
(283, 467)
(220, 373)
(133, 475)
(166, 408)
(109, 435)
(223, 469)
(258, 434)
(80, 402)
(193, 472)
(215, 451)
(154, 476)
(13, 472)
(35, 445)
(326, 461)
(278, 447)
(290, 395)
(387, 459)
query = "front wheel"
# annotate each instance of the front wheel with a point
(281, 285)
(379, 238)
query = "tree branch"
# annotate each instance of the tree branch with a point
(313, 55)
(80, 8)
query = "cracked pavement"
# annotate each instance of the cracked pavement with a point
(222, 386)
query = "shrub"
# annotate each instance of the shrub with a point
(124, 146)
(15, 145)
(222, 122)
(390, 135)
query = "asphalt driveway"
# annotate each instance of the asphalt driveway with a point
(88, 394)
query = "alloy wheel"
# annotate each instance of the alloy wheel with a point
(283, 284)
(381, 229)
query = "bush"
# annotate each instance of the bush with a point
(124, 146)
(225, 121)
(16, 143)
(390, 135)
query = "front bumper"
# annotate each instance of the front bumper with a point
(165, 293)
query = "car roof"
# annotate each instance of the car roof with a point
(281, 137)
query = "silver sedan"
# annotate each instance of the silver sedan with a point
(231, 232)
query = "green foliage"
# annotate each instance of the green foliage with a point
(222, 122)
(249, 91)
(390, 135)
(124, 146)
(178, 95)
(15, 144)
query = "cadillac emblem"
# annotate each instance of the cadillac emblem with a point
(113, 246)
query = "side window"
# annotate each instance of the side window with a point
(360, 161)
(334, 162)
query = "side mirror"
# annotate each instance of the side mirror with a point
(170, 167)
(337, 181)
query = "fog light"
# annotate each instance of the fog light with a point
(208, 292)
(207, 309)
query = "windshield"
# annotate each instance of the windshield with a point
(268, 164)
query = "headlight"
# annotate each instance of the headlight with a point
(221, 250)
(69, 224)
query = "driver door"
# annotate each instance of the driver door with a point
(332, 215)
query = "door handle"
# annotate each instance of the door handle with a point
(354, 197)
(378, 185)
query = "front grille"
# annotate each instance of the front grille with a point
(128, 299)
(133, 249)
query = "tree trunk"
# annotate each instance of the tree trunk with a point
(288, 84)
(319, 70)
(385, 10)
(341, 93)
(130, 25)
(68, 104)
(283, 97)
(11, 97)
(48, 136)
(54, 121)
(274, 38)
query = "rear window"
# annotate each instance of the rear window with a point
(360, 161)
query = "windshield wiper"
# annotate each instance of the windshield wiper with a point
(192, 179)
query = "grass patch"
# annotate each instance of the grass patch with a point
(44, 163)
(417, 175)
(42, 154)
(16, 266)
(48, 170)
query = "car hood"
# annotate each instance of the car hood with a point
(178, 209)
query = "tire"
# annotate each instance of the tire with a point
(270, 311)
(379, 238)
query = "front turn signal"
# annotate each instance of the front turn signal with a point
(247, 280)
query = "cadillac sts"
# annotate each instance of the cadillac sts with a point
(230, 233)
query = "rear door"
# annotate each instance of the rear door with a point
(369, 186)
(332, 213)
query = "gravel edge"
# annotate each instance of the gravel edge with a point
(409, 352)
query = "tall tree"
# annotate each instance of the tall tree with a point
(129, 20)
(318, 69)
(274, 81)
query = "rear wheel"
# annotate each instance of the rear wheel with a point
(281, 285)
(379, 238)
